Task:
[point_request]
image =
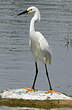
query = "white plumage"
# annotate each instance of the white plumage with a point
(39, 47)
(38, 44)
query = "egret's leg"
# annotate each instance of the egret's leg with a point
(48, 77)
(35, 75)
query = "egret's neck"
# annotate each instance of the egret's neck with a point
(32, 25)
(35, 18)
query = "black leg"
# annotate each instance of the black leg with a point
(48, 77)
(35, 75)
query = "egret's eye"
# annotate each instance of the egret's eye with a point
(30, 10)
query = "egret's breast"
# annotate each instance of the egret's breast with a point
(35, 47)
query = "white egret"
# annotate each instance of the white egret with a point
(38, 44)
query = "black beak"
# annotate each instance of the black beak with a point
(22, 13)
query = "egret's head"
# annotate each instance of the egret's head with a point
(31, 9)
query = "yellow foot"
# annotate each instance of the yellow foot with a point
(30, 89)
(51, 91)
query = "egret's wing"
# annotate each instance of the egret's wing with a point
(42, 41)
(44, 46)
(39, 43)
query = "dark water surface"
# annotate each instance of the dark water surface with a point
(16, 61)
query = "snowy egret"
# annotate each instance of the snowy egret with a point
(38, 44)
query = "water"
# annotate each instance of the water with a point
(16, 61)
(25, 108)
